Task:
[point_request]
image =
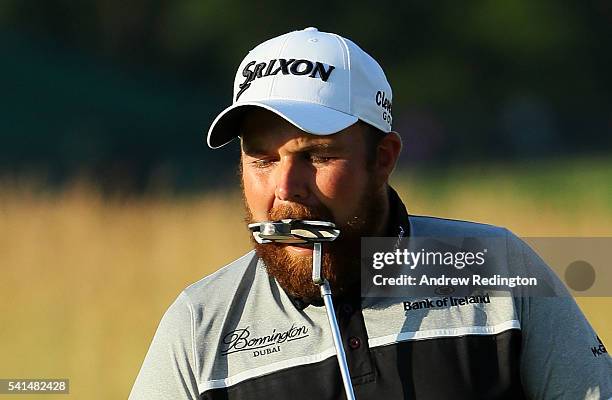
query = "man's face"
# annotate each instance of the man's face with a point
(287, 173)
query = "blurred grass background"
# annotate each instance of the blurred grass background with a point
(110, 203)
(86, 277)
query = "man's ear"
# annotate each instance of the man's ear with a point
(387, 154)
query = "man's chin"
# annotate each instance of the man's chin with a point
(291, 266)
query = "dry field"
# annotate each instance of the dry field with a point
(84, 279)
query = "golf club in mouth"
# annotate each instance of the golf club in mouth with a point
(293, 231)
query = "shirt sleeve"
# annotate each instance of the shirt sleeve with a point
(562, 357)
(168, 370)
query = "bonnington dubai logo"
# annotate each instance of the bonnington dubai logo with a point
(241, 340)
(313, 69)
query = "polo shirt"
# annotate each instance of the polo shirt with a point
(236, 334)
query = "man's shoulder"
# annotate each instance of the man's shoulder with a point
(224, 278)
(421, 225)
(213, 292)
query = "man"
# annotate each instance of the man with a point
(313, 113)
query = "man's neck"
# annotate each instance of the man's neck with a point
(383, 218)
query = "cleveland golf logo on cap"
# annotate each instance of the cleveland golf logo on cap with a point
(313, 69)
(383, 102)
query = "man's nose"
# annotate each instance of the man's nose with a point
(291, 181)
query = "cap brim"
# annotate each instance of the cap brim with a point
(312, 118)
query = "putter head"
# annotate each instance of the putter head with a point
(294, 231)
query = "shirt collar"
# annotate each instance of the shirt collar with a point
(398, 223)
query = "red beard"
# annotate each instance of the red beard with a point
(341, 262)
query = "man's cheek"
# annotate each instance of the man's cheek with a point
(258, 199)
(260, 207)
(340, 193)
(339, 183)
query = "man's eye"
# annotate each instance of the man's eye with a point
(262, 163)
(320, 159)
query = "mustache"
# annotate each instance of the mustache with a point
(300, 211)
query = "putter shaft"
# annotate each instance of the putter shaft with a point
(331, 317)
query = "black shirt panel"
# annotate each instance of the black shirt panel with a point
(469, 367)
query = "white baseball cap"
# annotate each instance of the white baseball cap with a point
(320, 82)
